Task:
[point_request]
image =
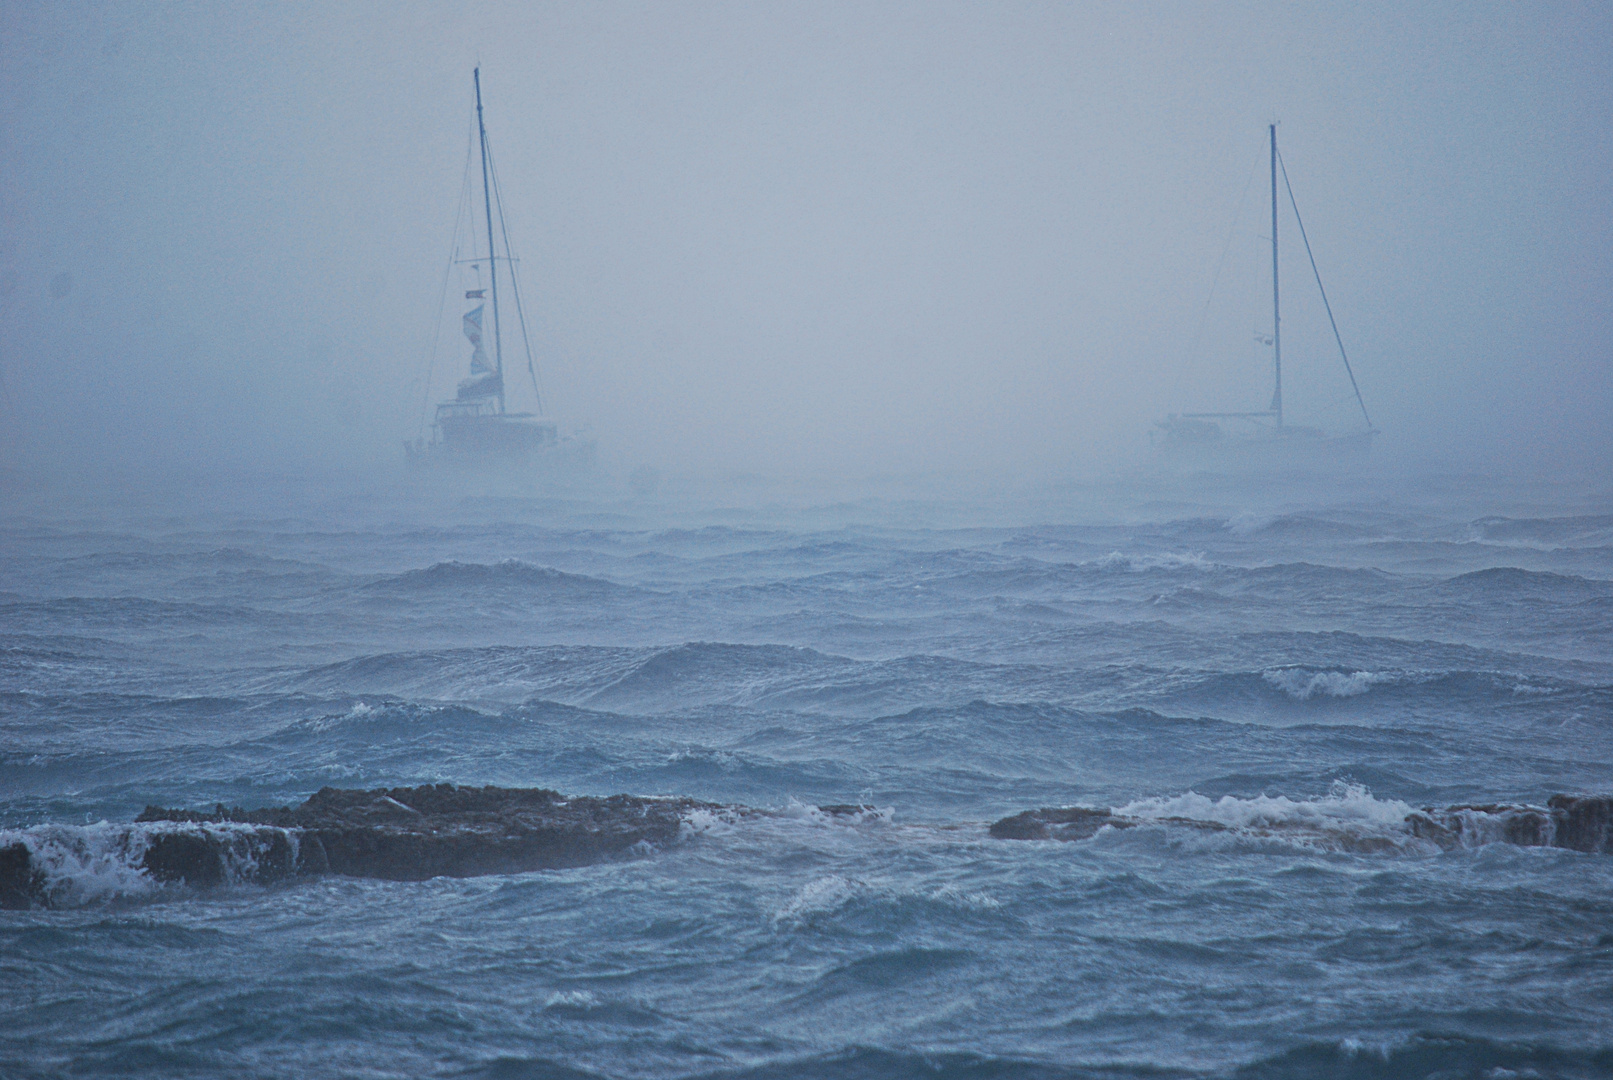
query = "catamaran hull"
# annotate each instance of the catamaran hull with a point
(566, 458)
(1280, 448)
(497, 441)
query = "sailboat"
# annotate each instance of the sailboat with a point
(475, 427)
(1264, 438)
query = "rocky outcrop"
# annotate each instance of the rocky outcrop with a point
(1058, 823)
(1578, 823)
(22, 884)
(410, 834)
(398, 834)
(1583, 823)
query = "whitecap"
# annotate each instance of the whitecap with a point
(817, 897)
(1302, 684)
(1169, 560)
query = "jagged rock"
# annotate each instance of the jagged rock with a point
(409, 834)
(1056, 823)
(22, 885)
(1459, 826)
(1579, 823)
(847, 809)
(210, 857)
(1575, 822)
(398, 834)
(1584, 823)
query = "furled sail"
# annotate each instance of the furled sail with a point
(484, 379)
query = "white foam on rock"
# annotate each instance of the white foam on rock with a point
(83, 864)
(88, 864)
(1345, 805)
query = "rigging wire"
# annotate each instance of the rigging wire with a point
(442, 299)
(515, 284)
(1349, 370)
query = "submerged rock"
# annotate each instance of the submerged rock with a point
(1578, 823)
(1057, 823)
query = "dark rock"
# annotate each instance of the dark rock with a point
(211, 857)
(1528, 828)
(311, 857)
(1584, 822)
(184, 856)
(1425, 826)
(409, 834)
(1580, 823)
(400, 834)
(1056, 823)
(22, 885)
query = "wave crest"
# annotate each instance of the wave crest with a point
(75, 865)
(511, 574)
(1302, 683)
(1345, 805)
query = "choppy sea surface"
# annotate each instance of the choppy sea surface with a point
(1337, 655)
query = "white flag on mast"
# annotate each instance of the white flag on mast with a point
(473, 331)
(484, 381)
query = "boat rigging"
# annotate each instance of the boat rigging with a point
(477, 426)
(1266, 434)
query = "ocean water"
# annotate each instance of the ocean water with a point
(1303, 665)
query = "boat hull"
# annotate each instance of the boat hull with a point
(1289, 446)
(497, 440)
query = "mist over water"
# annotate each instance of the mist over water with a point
(870, 311)
(812, 239)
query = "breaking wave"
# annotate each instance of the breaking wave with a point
(1345, 806)
(1348, 818)
(1427, 1055)
(702, 671)
(1302, 684)
(511, 574)
(508, 673)
(77, 865)
(1117, 560)
(1549, 534)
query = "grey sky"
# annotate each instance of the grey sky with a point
(805, 237)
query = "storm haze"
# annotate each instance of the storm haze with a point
(926, 633)
(816, 239)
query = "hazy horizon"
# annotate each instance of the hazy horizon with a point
(820, 240)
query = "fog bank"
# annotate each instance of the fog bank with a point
(804, 239)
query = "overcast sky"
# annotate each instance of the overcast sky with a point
(810, 238)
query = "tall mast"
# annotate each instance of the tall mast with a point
(1276, 311)
(492, 261)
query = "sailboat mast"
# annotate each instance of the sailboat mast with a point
(492, 261)
(1276, 310)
